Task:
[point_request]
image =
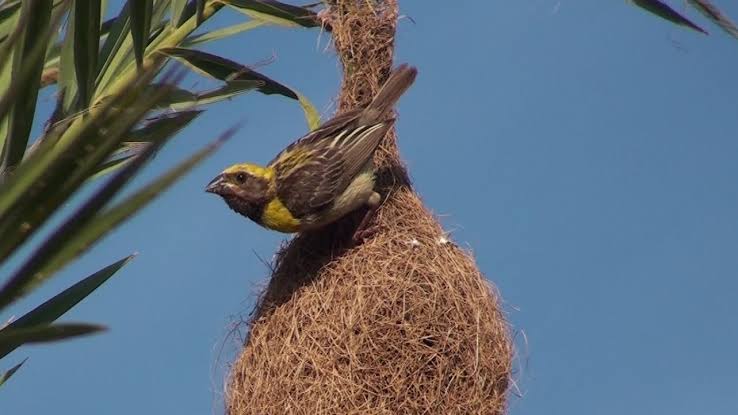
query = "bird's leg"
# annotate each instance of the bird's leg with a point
(364, 230)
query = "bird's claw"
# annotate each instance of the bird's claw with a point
(365, 231)
(362, 235)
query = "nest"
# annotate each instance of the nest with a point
(403, 323)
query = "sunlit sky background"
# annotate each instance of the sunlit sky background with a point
(585, 151)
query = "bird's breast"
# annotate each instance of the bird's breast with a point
(276, 216)
(356, 193)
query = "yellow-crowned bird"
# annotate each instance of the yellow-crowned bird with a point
(322, 176)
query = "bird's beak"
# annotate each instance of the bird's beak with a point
(216, 185)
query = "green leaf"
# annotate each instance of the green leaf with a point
(8, 18)
(15, 82)
(110, 166)
(664, 11)
(55, 125)
(5, 376)
(9, 5)
(227, 91)
(55, 307)
(47, 333)
(102, 223)
(116, 214)
(226, 70)
(160, 128)
(226, 32)
(53, 52)
(86, 46)
(141, 11)
(3, 132)
(159, 14)
(56, 169)
(6, 73)
(189, 10)
(67, 73)
(713, 13)
(117, 36)
(278, 13)
(9, 12)
(177, 10)
(163, 126)
(123, 57)
(174, 95)
(28, 62)
(200, 11)
(311, 114)
(8, 45)
(179, 99)
(56, 250)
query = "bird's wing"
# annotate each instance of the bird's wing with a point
(316, 169)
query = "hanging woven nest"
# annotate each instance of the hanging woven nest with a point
(403, 323)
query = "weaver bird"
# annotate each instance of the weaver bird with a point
(322, 176)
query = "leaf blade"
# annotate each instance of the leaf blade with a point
(665, 12)
(227, 91)
(141, 11)
(177, 10)
(200, 4)
(217, 67)
(57, 249)
(278, 13)
(10, 372)
(47, 333)
(28, 198)
(27, 65)
(713, 13)
(118, 34)
(86, 45)
(107, 220)
(222, 33)
(163, 126)
(312, 116)
(56, 306)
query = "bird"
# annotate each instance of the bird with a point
(322, 176)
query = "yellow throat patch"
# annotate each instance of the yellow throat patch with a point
(276, 216)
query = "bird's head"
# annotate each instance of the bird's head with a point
(246, 188)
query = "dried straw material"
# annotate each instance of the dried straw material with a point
(401, 324)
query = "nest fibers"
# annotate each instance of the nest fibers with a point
(403, 323)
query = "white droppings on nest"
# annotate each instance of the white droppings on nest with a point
(445, 238)
(413, 242)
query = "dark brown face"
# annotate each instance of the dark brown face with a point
(244, 192)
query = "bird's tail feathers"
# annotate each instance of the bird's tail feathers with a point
(398, 82)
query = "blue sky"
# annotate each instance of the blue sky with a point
(585, 151)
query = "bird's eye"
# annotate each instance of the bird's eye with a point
(240, 177)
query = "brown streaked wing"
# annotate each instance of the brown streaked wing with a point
(357, 151)
(327, 130)
(316, 169)
(312, 185)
